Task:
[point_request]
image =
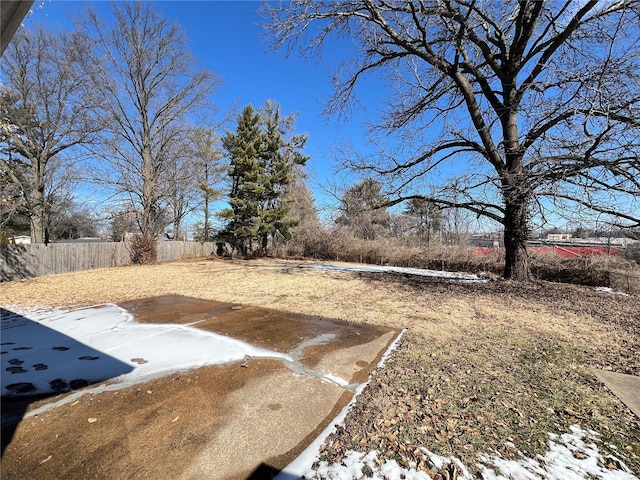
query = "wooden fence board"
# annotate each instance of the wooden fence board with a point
(26, 261)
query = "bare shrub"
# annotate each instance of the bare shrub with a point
(340, 245)
(596, 270)
(143, 250)
(319, 242)
(633, 253)
(626, 282)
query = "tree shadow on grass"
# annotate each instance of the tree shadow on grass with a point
(39, 362)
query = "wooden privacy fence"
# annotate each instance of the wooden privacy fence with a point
(25, 261)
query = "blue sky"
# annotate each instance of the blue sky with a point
(225, 38)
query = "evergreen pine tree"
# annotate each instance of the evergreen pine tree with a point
(281, 154)
(427, 217)
(262, 155)
(363, 212)
(246, 174)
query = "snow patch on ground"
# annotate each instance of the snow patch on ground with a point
(49, 350)
(571, 456)
(611, 291)
(465, 277)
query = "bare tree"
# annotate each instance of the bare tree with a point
(509, 110)
(121, 223)
(177, 186)
(44, 118)
(73, 222)
(303, 209)
(149, 87)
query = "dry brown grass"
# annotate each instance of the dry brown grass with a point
(480, 365)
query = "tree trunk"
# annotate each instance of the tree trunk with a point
(206, 216)
(149, 196)
(38, 213)
(516, 231)
(36, 219)
(176, 230)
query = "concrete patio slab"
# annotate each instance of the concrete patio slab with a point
(245, 419)
(625, 387)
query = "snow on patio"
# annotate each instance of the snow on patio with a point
(49, 352)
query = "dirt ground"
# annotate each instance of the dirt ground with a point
(480, 365)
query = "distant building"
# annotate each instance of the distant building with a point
(21, 240)
(559, 237)
(83, 240)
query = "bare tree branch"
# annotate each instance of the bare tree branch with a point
(520, 100)
(149, 90)
(44, 118)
